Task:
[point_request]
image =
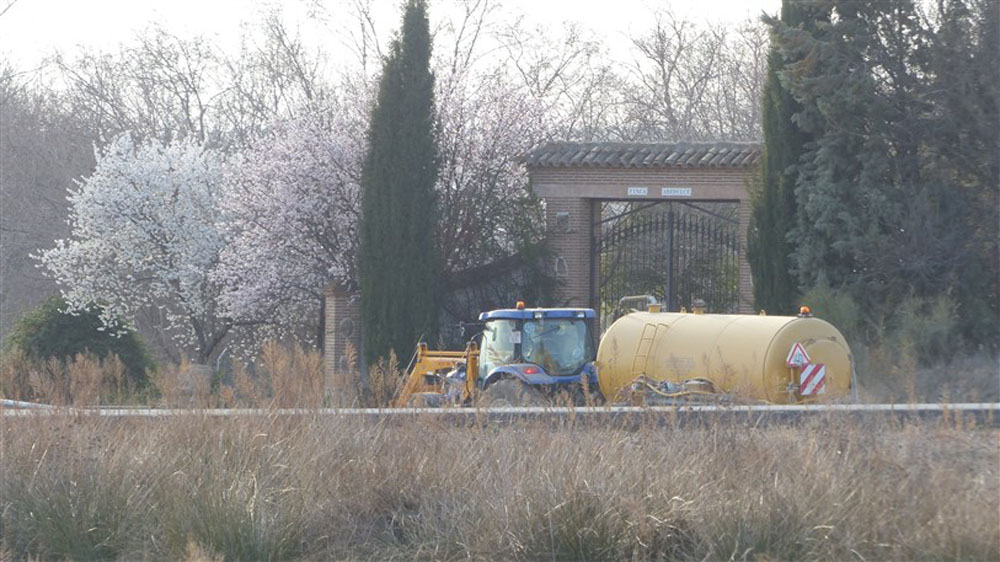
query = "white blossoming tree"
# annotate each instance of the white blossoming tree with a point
(144, 233)
(292, 206)
(483, 129)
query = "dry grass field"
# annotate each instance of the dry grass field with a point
(319, 487)
(269, 487)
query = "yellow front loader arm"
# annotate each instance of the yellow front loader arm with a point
(430, 366)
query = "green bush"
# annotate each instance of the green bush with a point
(837, 308)
(900, 356)
(49, 332)
(926, 328)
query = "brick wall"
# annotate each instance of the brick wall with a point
(707, 184)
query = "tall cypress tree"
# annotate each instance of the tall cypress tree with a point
(774, 206)
(399, 267)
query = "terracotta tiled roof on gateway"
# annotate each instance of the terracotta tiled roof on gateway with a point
(644, 155)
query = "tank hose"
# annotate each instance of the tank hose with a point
(674, 390)
(643, 383)
(676, 394)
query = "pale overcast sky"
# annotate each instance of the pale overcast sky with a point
(33, 29)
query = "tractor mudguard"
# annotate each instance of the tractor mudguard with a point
(504, 372)
(522, 372)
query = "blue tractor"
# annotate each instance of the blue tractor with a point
(529, 356)
(522, 357)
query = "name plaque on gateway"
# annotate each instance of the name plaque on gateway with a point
(638, 191)
(675, 192)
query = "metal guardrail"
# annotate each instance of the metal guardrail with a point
(19, 404)
(979, 414)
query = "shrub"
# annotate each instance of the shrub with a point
(926, 328)
(49, 332)
(837, 308)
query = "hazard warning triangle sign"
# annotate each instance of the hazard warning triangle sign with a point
(797, 357)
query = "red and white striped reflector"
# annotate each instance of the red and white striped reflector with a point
(812, 379)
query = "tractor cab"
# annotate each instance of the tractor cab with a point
(548, 349)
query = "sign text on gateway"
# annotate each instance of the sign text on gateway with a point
(664, 192)
(675, 192)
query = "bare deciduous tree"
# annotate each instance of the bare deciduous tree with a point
(163, 87)
(694, 82)
(272, 77)
(568, 72)
(739, 89)
(7, 6)
(41, 146)
(168, 87)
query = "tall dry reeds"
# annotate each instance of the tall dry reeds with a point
(313, 487)
(296, 375)
(84, 380)
(385, 380)
(284, 376)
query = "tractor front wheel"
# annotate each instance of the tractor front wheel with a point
(510, 392)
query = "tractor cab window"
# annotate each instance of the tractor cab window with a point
(560, 346)
(498, 347)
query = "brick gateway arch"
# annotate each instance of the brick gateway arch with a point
(647, 217)
(679, 201)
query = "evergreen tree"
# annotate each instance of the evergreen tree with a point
(854, 78)
(897, 192)
(774, 206)
(965, 155)
(399, 267)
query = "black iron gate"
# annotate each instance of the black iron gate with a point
(679, 252)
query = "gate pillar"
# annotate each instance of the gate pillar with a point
(342, 344)
(569, 225)
(746, 277)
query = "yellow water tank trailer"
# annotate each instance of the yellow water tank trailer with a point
(742, 355)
